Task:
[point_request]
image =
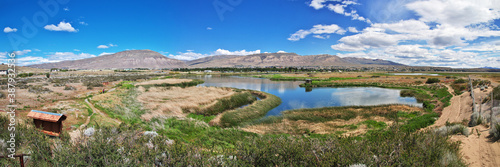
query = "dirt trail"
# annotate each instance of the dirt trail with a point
(95, 110)
(460, 108)
(479, 150)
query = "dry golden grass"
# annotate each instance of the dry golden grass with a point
(161, 81)
(171, 101)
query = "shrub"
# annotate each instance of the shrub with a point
(452, 129)
(458, 81)
(432, 80)
(419, 122)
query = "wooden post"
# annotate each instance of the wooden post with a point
(21, 160)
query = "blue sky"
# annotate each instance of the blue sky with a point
(450, 33)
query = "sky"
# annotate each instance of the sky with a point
(445, 33)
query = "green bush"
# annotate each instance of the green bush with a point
(432, 80)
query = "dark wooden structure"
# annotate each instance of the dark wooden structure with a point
(49, 123)
(308, 81)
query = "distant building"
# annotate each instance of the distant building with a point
(4, 72)
(208, 71)
(48, 123)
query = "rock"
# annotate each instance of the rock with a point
(150, 133)
(89, 132)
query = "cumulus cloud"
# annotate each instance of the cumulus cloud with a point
(209, 28)
(106, 46)
(352, 29)
(339, 7)
(456, 12)
(52, 58)
(388, 34)
(318, 30)
(22, 52)
(418, 55)
(62, 26)
(191, 55)
(8, 30)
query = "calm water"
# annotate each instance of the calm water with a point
(295, 97)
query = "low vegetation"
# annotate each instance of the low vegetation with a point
(189, 142)
(230, 103)
(251, 112)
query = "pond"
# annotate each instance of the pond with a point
(295, 97)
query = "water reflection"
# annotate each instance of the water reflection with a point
(295, 97)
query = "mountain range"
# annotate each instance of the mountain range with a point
(155, 60)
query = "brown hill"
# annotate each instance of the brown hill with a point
(120, 60)
(285, 59)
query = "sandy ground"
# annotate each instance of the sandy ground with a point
(477, 150)
(459, 109)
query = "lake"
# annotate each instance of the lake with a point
(295, 97)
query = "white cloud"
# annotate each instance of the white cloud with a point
(281, 51)
(317, 29)
(83, 23)
(8, 29)
(239, 53)
(209, 28)
(22, 52)
(103, 46)
(339, 8)
(106, 46)
(389, 34)
(457, 12)
(62, 26)
(76, 50)
(52, 58)
(352, 29)
(321, 36)
(3, 54)
(66, 9)
(318, 4)
(190, 55)
(105, 53)
(418, 55)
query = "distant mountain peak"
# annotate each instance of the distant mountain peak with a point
(151, 59)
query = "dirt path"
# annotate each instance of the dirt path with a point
(459, 109)
(479, 150)
(95, 110)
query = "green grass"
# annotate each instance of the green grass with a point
(194, 82)
(374, 124)
(203, 118)
(237, 100)
(129, 113)
(251, 112)
(419, 122)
